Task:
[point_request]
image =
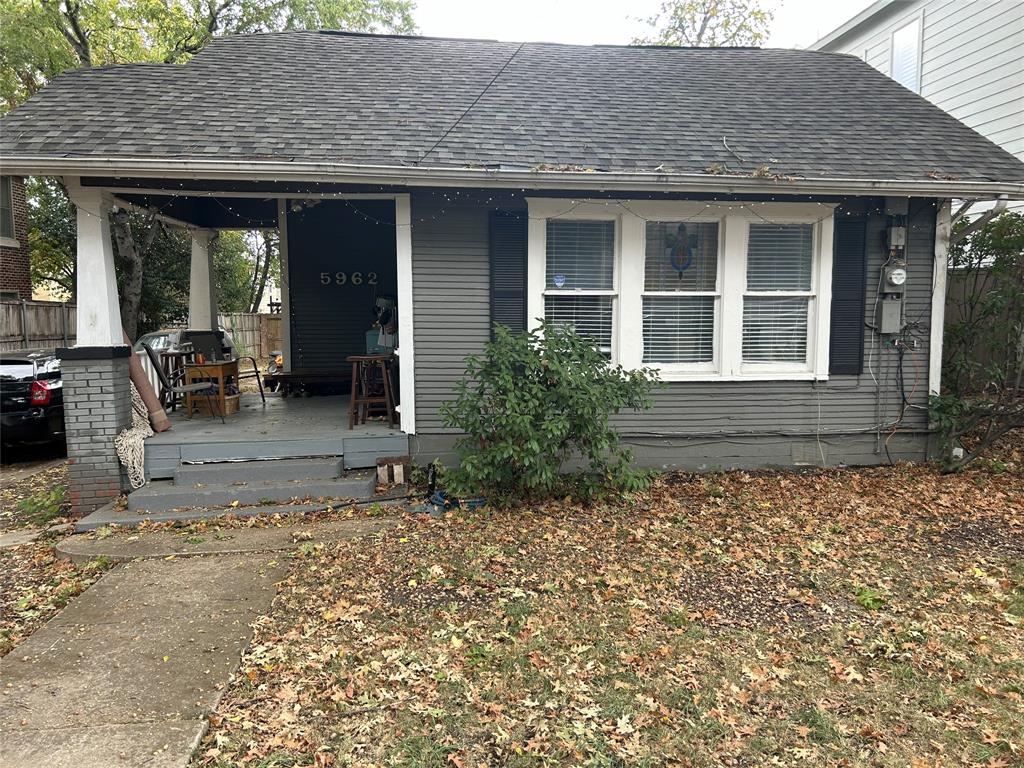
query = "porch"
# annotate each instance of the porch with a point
(284, 428)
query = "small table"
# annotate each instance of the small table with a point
(216, 373)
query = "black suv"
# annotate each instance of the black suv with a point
(31, 397)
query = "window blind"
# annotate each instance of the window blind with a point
(681, 256)
(679, 329)
(779, 257)
(774, 329)
(906, 53)
(591, 316)
(580, 255)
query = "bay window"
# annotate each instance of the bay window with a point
(696, 290)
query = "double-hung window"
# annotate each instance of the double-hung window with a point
(776, 303)
(680, 295)
(579, 284)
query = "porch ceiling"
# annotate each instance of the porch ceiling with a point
(211, 212)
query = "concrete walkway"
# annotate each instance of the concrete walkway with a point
(225, 541)
(127, 673)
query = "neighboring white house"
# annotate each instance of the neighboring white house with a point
(965, 57)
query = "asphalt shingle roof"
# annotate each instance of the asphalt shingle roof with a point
(382, 100)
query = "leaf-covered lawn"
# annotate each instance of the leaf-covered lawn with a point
(857, 617)
(34, 586)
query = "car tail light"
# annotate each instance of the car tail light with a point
(41, 393)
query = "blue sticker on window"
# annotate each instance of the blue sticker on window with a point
(559, 281)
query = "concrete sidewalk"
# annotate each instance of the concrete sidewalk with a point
(127, 673)
(226, 541)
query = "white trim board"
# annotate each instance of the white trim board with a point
(406, 352)
(286, 294)
(940, 265)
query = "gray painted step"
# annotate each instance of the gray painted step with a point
(111, 515)
(161, 495)
(222, 473)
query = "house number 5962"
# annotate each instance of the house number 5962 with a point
(353, 278)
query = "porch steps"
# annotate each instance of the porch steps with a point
(221, 473)
(163, 495)
(112, 515)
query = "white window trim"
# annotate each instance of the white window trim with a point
(9, 242)
(736, 217)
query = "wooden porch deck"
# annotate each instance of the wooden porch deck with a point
(285, 428)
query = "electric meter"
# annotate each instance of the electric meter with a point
(897, 276)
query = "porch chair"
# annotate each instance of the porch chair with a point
(172, 389)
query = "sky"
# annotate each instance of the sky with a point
(797, 23)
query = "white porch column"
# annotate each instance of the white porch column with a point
(99, 310)
(202, 297)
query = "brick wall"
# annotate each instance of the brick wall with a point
(14, 275)
(97, 405)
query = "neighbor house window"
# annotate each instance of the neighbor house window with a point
(696, 290)
(905, 65)
(680, 296)
(579, 287)
(6, 208)
(778, 293)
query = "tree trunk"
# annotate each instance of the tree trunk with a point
(131, 258)
(261, 283)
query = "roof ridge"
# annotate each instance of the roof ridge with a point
(326, 32)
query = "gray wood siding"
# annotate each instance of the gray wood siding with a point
(450, 291)
(972, 60)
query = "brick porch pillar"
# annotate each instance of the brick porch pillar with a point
(97, 405)
(97, 390)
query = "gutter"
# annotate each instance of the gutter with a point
(409, 176)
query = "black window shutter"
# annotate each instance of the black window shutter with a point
(849, 276)
(508, 270)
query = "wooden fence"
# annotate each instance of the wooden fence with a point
(36, 324)
(27, 324)
(254, 334)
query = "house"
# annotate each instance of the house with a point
(966, 58)
(15, 282)
(767, 228)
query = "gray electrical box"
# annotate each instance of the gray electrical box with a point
(897, 206)
(890, 313)
(890, 306)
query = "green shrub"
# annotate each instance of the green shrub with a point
(532, 402)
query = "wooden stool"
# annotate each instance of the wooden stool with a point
(363, 397)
